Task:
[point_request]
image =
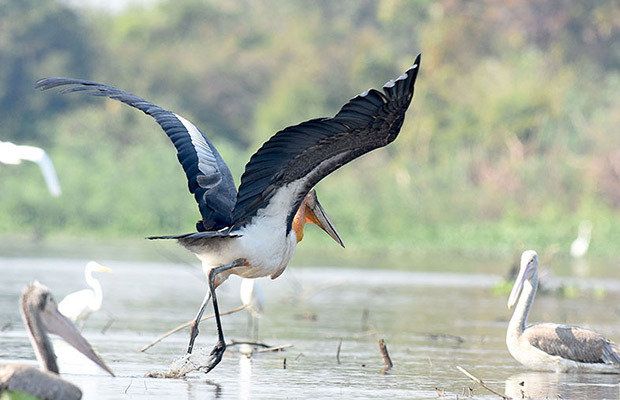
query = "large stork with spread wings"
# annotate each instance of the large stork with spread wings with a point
(253, 232)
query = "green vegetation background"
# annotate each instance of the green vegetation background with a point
(512, 138)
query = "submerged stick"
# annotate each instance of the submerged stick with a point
(338, 351)
(481, 383)
(274, 348)
(185, 325)
(265, 348)
(387, 361)
(234, 342)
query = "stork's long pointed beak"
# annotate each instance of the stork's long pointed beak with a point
(60, 325)
(317, 215)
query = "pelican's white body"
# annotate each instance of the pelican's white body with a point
(518, 336)
(531, 356)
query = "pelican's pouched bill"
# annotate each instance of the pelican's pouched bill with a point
(41, 316)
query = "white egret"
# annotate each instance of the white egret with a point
(79, 305)
(253, 296)
(580, 246)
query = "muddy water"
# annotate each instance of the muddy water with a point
(431, 322)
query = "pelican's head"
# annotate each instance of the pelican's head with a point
(529, 266)
(38, 304)
(311, 211)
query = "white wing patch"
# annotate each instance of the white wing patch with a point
(206, 160)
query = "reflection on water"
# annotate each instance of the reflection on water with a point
(549, 385)
(245, 377)
(431, 323)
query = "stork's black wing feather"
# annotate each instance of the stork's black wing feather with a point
(208, 176)
(305, 153)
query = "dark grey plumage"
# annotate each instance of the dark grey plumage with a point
(573, 343)
(369, 121)
(41, 384)
(304, 153)
(208, 176)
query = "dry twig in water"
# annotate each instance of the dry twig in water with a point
(185, 325)
(234, 342)
(265, 347)
(387, 361)
(274, 348)
(481, 383)
(338, 351)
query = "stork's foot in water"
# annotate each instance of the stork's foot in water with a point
(215, 357)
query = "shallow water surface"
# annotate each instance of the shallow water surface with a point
(431, 322)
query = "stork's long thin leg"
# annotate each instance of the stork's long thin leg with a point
(194, 327)
(211, 293)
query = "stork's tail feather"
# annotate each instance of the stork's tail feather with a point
(199, 235)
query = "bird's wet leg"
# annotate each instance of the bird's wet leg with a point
(220, 346)
(194, 327)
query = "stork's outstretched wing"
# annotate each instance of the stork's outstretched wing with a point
(208, 176)
(298, 157)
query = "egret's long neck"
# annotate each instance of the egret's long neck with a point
(94, 283)
(40, 340)
(519, 317)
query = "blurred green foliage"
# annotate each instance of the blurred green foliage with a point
(511, 140)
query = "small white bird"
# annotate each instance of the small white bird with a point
(79, 305)
(580, 246)
(253, 296)
(13, 154)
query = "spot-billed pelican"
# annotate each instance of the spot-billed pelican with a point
(253, 232)
(252, 295)
(553, 347)
(13, 154)
(41, 315)
(579, 247)
(79, 305)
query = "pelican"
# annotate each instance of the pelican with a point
(13, 154)
(553, 347)
(580, 246)
(41, 315)
(79, 305)
(253, 231)
(252, 295)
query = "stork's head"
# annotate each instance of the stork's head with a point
(311, 211)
